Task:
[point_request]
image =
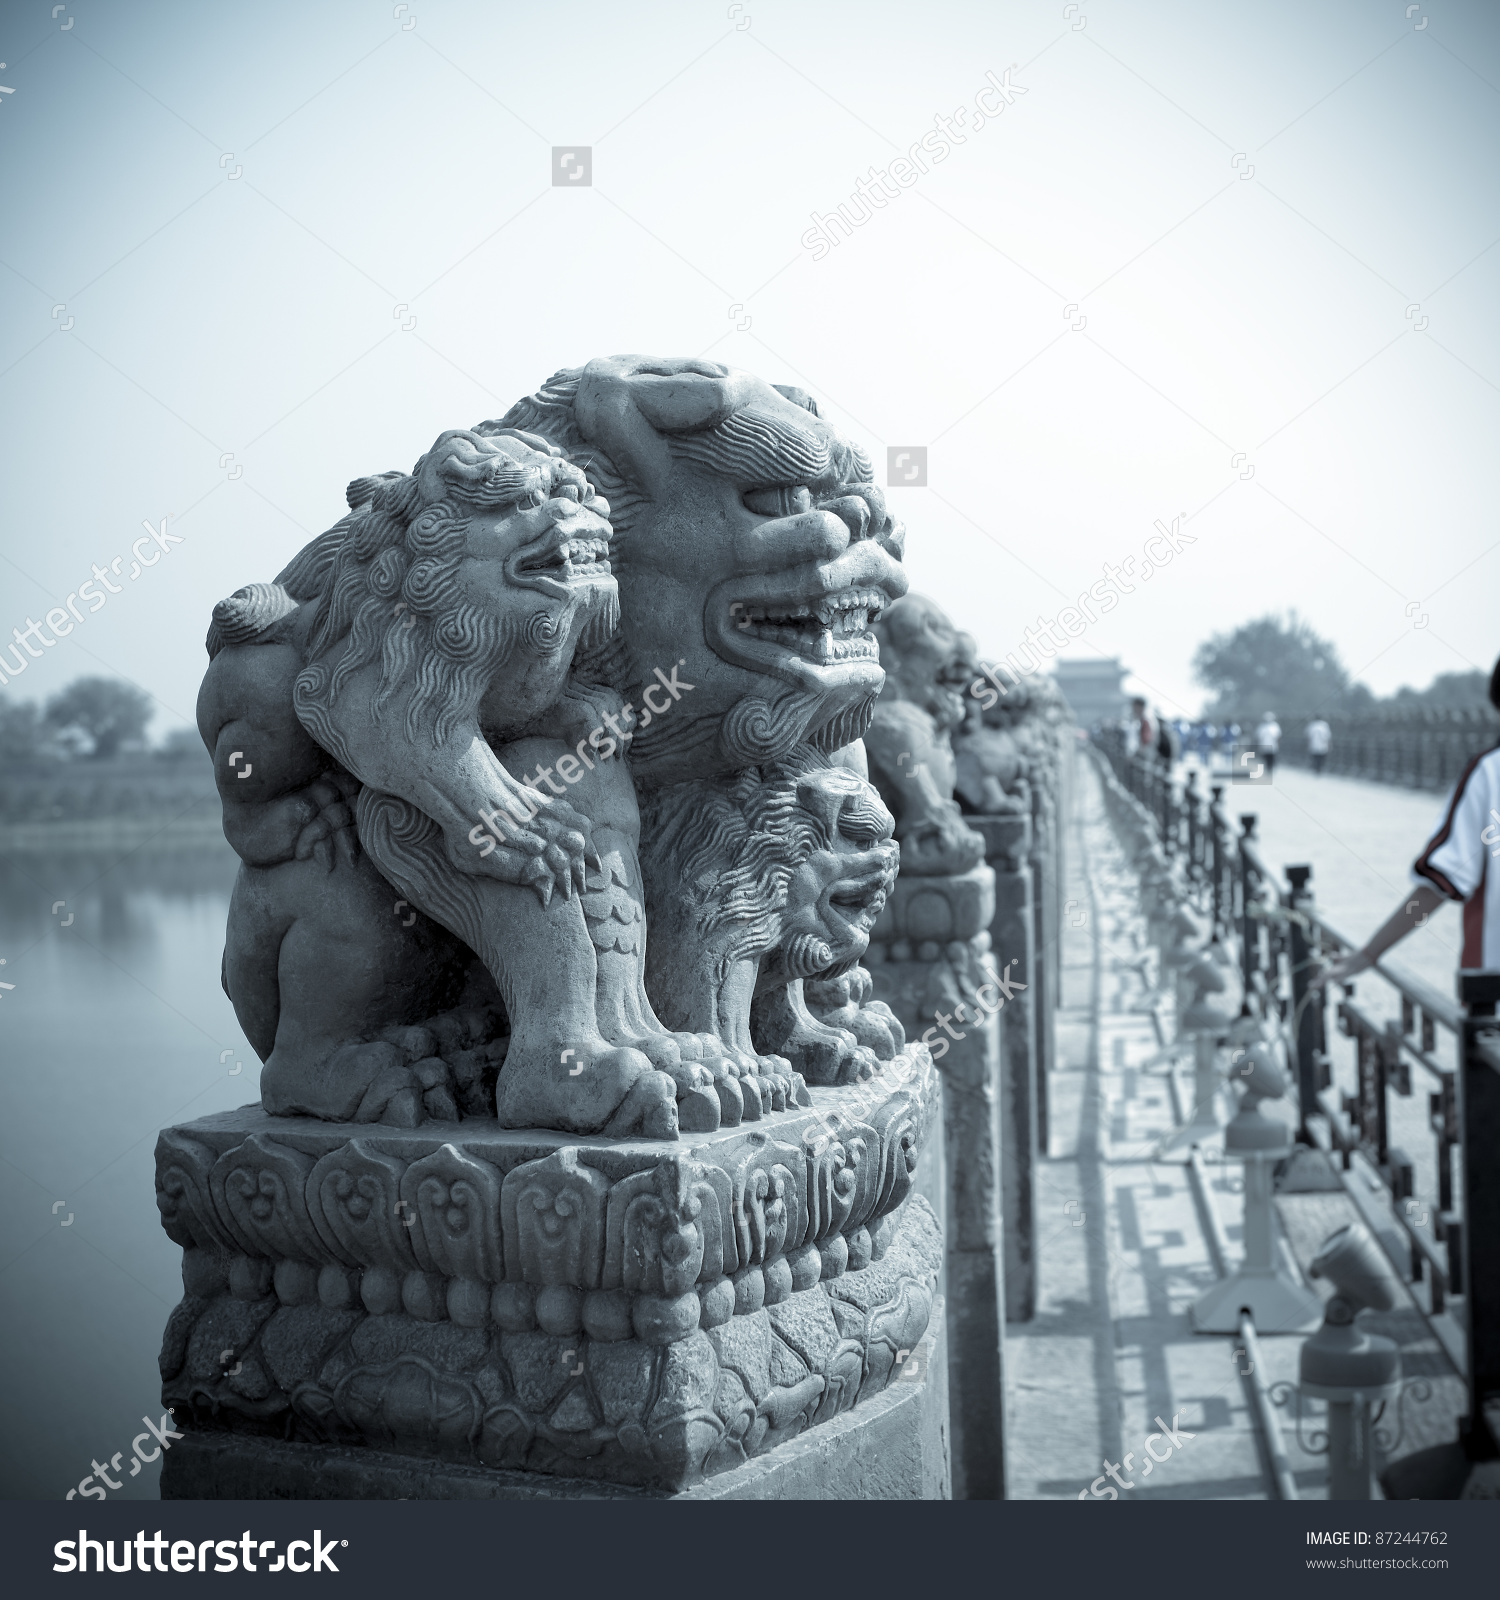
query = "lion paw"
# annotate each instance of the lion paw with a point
(648, 1111)
(775, 1075)
(860, 1065)
(405, 1097)
(591, 1088)
(679, 1056)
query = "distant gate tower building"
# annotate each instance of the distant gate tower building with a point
(1092, 689)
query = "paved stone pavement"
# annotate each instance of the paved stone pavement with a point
(1110, 1358)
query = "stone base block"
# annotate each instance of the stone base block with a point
(894, 1447)
(620, 1311)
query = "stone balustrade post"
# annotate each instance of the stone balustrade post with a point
(1009, 849)
(1046, 831)
(930, 958)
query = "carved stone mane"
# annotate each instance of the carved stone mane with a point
(736, 873)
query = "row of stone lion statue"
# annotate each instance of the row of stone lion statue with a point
(603, 665)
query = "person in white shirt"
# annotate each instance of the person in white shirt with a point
(1319, 737)
(1454, 865)
(1268, 740)
(1143, 725)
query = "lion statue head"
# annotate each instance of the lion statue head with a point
(753, 882)
(454, 577)
(839, 887)
(752, 548)
(928, 662)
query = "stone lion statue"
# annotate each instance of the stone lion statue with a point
(431, 657)
(752, 544)
(431, 730)
(929, 665)
(1010, 736)
(990, 766)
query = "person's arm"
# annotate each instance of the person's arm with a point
(1412, 913)
(1450, 867)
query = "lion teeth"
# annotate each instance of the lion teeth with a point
(850, 611)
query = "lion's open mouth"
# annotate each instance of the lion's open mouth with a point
(559, 562)
(831, 629)
(856, 900)
(576, 558)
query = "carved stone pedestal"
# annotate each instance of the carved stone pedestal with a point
(533, 1306)
(930, 958)
(892, 1446)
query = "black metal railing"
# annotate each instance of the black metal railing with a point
(1413, 749)
(1282, 941)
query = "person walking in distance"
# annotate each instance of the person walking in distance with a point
(1168, 740)
(1143, 725)
(1453, 865)
(1319, 737)
(1228, 738)
(1268, 741)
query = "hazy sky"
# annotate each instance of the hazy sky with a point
(1229, 262)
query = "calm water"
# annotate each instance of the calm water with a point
(114, 1028)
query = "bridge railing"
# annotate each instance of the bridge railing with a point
(1282, 941)
(1413, 749)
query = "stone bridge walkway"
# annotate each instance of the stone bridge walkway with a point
(1123, 1249)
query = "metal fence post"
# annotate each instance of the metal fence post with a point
(1305, 1010)
(1216, 857)
(1249, 931)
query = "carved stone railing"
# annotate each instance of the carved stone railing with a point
(596, 1308)
(1014, 940)
(1048, 808)
(1023, 846)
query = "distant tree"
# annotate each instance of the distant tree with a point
(1274, 664)
(109, 713)
(182, 744)
(23, 737)
(1449, 691)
